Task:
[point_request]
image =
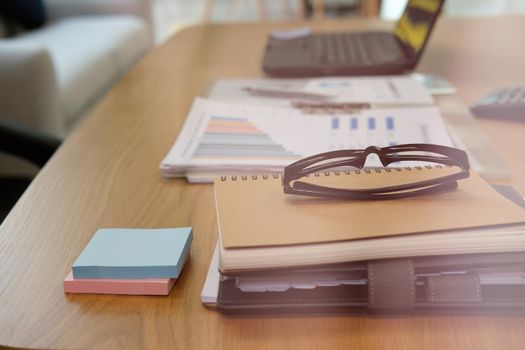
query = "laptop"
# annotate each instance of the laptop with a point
(356, 53)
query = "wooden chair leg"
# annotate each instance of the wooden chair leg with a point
(208, 8)
(370, 8)
(263, 16)
(318, 9)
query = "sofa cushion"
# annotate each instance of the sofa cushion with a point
(89, 55)
(30, 14)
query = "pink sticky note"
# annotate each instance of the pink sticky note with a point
(152, 286)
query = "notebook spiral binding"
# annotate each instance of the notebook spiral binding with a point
(336, 173)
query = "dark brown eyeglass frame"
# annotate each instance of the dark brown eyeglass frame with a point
(448, 156)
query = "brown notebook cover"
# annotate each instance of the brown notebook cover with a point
(255, 211)
(255, 218)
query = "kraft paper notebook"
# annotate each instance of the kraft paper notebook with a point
(260, 227)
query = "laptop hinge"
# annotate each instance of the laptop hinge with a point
(408, 51)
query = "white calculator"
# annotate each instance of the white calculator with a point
(503, 103)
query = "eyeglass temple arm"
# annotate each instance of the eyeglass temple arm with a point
(356, 163)
(456, 156)
(389, 159)
(302, 167)
(360, 162)
(310, 190)
(300, 185)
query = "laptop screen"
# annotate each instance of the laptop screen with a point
(414, 26)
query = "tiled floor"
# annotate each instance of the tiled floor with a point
(172, 15)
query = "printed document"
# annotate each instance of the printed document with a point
(387, 90)
(224, 138)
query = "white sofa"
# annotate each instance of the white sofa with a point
(51, 76)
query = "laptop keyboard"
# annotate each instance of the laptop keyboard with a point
(355, 48)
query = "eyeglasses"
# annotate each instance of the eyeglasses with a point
(294, 174)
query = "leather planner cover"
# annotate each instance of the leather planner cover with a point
(469, 283)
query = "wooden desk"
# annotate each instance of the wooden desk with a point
(106, 175)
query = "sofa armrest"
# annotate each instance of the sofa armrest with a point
(29, 86)
(57, 9)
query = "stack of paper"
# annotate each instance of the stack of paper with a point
(220, 138)
(250, 126)
(131, 261)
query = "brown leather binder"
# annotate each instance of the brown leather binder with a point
(456, 284)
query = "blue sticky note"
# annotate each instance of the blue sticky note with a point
(129, 253)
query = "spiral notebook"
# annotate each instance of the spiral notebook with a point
(261, 227)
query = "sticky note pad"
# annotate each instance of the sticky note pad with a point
(134, 253)
(146, 286)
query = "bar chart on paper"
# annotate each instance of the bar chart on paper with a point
(387, 128)
(226, 137)
(222, 137)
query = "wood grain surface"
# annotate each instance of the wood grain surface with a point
(106, 175)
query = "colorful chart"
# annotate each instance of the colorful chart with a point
(238, 137)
